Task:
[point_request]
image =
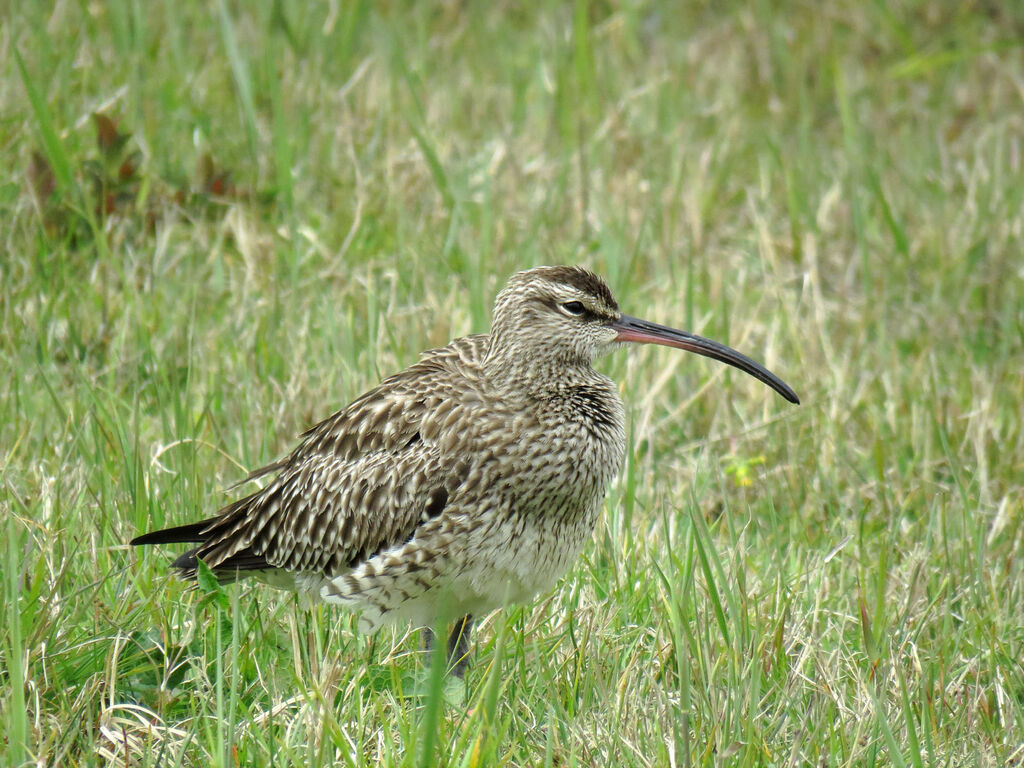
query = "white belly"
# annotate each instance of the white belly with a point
(528, 559)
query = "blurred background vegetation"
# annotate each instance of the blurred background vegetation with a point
(221, 222)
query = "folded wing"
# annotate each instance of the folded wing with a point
(360, 482)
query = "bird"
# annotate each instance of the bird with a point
(468, 481)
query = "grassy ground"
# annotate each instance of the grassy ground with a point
(287, 204)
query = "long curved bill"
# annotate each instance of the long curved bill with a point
(642, 332)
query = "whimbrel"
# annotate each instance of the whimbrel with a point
(469, 480)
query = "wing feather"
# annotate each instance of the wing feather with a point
(360, 481)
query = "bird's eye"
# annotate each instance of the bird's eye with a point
(574, 307)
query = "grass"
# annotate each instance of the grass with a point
(313, 194)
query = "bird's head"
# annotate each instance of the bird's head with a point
(568, 316)
(558, 313)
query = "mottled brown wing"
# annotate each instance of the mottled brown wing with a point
(361, 481)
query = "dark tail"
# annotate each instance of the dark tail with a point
(226, 568)
(193, 532)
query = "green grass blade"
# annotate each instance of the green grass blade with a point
(891, 744)
(240, 72)
(17, 717)
(52, 144)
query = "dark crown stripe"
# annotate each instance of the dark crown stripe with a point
(583, 280)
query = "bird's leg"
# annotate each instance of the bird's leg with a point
(458, 646)
(428, 640)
